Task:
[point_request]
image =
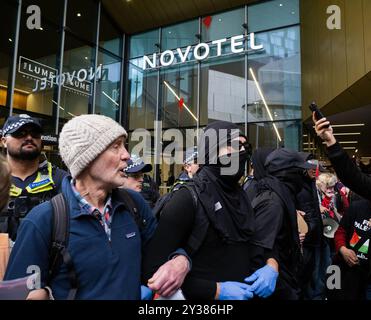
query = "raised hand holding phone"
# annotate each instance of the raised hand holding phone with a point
(322, 125)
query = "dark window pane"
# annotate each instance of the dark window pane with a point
(110, 38)
(82, 19)
(7, 26)
(37, 65)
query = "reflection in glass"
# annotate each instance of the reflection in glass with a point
(144, 43)
(107, 100)
(142, 97)
(78, 68)
(278, 73)
(179, 97)
(263, 134)
(223, 25)
(272, 14)
(179, 35)
(223, 90)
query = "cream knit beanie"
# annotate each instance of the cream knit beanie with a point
(84, 138)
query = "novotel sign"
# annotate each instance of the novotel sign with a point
(200, 52)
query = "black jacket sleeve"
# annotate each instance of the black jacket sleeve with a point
(307, 201)
(348, 172)
(173, 230)
(269, 214)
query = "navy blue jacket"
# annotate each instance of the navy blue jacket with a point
(104, 270)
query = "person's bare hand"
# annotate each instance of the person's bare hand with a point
(323, 209)
(39, 294)
(170, 276)
(326, 134)
(349, 256)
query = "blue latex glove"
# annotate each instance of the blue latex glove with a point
(263, 281)
(231, 290)
(145, 293)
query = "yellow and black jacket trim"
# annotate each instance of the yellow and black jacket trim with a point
(43, 182)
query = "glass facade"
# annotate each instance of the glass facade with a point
(189, 74)
(185, 75)
(66, 65)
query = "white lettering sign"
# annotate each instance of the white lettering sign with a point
(45, 76)
(200, 52)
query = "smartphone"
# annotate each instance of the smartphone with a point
(318, 114)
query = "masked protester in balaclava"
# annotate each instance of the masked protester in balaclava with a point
(276, 237)
(257, 160)
(213, 223)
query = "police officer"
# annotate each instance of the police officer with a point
(34, 179)
(190, 167)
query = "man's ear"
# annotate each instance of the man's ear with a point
(3, 141)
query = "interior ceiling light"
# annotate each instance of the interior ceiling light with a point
(348, 125)
(349, 148)
(344, 142)
(184, 105)
(265, 103)
(79, 14)
(347, 134)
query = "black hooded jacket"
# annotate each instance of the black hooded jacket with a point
(224, 217)
(307, 201)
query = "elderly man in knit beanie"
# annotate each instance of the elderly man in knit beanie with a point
(105, 237)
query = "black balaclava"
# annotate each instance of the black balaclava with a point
(293, 178)
(208, 151)
(258, 160)
(234, 218)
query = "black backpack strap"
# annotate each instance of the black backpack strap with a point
(132, 207)
(60, 237)
(160, 204)
(191, 188)
(200, 225)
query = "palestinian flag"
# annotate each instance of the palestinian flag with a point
(364, 247)
(355, 239)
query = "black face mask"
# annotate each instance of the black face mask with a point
(293, 178)
(242, 160)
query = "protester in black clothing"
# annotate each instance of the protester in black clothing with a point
(257, 161)
(276, 234)
(307, 202)
(216, 232)
(352, 242)
(347, 172)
